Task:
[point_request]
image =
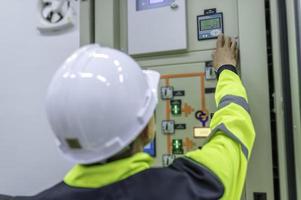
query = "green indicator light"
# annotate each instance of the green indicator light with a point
(177, 146)
(176, 110)
(176, 107)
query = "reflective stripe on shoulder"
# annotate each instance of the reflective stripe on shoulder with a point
(226, 100)
(226, 131)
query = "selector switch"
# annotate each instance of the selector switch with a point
(167, 159)
(209, 71)
(168, 126)
(167, 93)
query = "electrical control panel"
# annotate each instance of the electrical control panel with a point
(185, 109)
(177, 39)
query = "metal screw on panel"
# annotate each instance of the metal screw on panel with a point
(174, 5)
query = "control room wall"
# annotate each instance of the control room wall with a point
(29, 160)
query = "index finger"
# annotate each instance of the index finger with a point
(220, 41)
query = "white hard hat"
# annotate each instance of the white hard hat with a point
(98, 102)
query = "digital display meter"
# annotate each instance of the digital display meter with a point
(210, 25)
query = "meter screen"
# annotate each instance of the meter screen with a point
(209, 24)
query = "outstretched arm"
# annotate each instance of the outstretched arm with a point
(229, 147)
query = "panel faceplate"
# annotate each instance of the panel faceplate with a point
(176, 125)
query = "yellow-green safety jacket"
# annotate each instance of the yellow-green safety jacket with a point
(217, 171)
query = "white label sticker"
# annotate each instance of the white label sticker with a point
(155, 1)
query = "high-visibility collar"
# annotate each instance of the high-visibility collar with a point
(97, 176)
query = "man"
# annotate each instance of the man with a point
(100, 105)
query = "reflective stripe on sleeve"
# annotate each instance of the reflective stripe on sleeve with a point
(226, 100)
(226, 131)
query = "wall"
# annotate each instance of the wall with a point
(29, 160)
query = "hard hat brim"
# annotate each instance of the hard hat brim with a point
(153, 79)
